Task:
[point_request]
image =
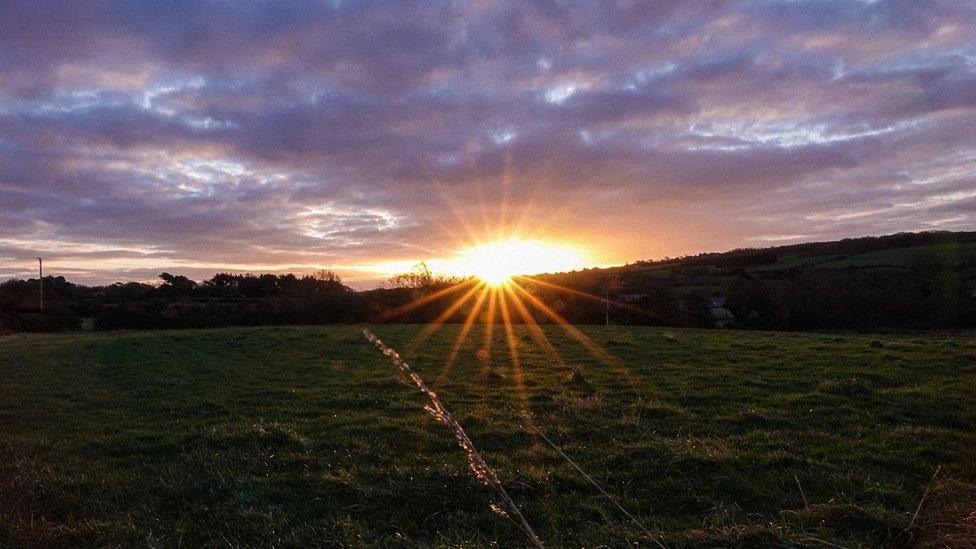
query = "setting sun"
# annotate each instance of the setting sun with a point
(497, 262)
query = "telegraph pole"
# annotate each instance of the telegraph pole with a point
(40, 278)
(606, 300)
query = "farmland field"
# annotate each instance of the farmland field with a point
(296, 436)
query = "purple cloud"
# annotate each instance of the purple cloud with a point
(209, 136)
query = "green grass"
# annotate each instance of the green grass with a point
(304, 436)
(790, 261)
(951, 252)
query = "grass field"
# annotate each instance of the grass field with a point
(951, 253)
(298, 436)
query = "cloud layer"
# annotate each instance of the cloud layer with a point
(285, 135)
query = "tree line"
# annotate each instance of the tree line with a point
(225, 299)
(921, 281)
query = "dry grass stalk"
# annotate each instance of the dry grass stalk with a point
(924, 495)
(600, 489)
(476, 463)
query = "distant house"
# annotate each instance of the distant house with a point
(711, 310)
(718, 314)
(631, 298)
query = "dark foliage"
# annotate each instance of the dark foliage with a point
(904, 281)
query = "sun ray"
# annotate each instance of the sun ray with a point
(554, 286)
(473, 235)
(476, 175)
(506, 181)
(536, 331)
(452, 205)
(443, 227)
(543, 223)
(463, 335)
(445, 230)
(435, 325)
(527, 209)
(516, 361)
(386, 316)
(485, 352)
(555, 317)
(590, 345)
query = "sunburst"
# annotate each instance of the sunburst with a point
(497, 262)
(498, 278)
(495, 291)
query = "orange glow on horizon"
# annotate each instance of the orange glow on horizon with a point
(492, 262)
(496, 263)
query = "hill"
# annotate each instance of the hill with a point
(909, 280)
(897, 250)
(915, 281)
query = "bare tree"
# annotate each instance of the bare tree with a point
(420, 277)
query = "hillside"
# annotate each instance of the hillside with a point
(916, 281)
(910, 280)
(899, 250)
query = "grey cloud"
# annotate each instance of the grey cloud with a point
(289, 133)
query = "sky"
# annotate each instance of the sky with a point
(362, 137)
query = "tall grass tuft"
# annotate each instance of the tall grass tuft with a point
(485, 474)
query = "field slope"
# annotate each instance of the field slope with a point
(305, 436)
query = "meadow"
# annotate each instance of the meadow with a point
(308, 436)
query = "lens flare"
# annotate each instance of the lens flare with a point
(497, 262)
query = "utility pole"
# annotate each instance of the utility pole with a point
(606, 301)
(40, 278)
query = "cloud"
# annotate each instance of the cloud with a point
(269, 135)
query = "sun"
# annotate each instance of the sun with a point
(496, 263)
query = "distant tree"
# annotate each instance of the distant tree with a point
(176, 285)
(328, 277)
(327, 282)
(126, 291)
(420, 278)
(220, 285)
(223, 280)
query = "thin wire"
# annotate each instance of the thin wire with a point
(602, 491)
